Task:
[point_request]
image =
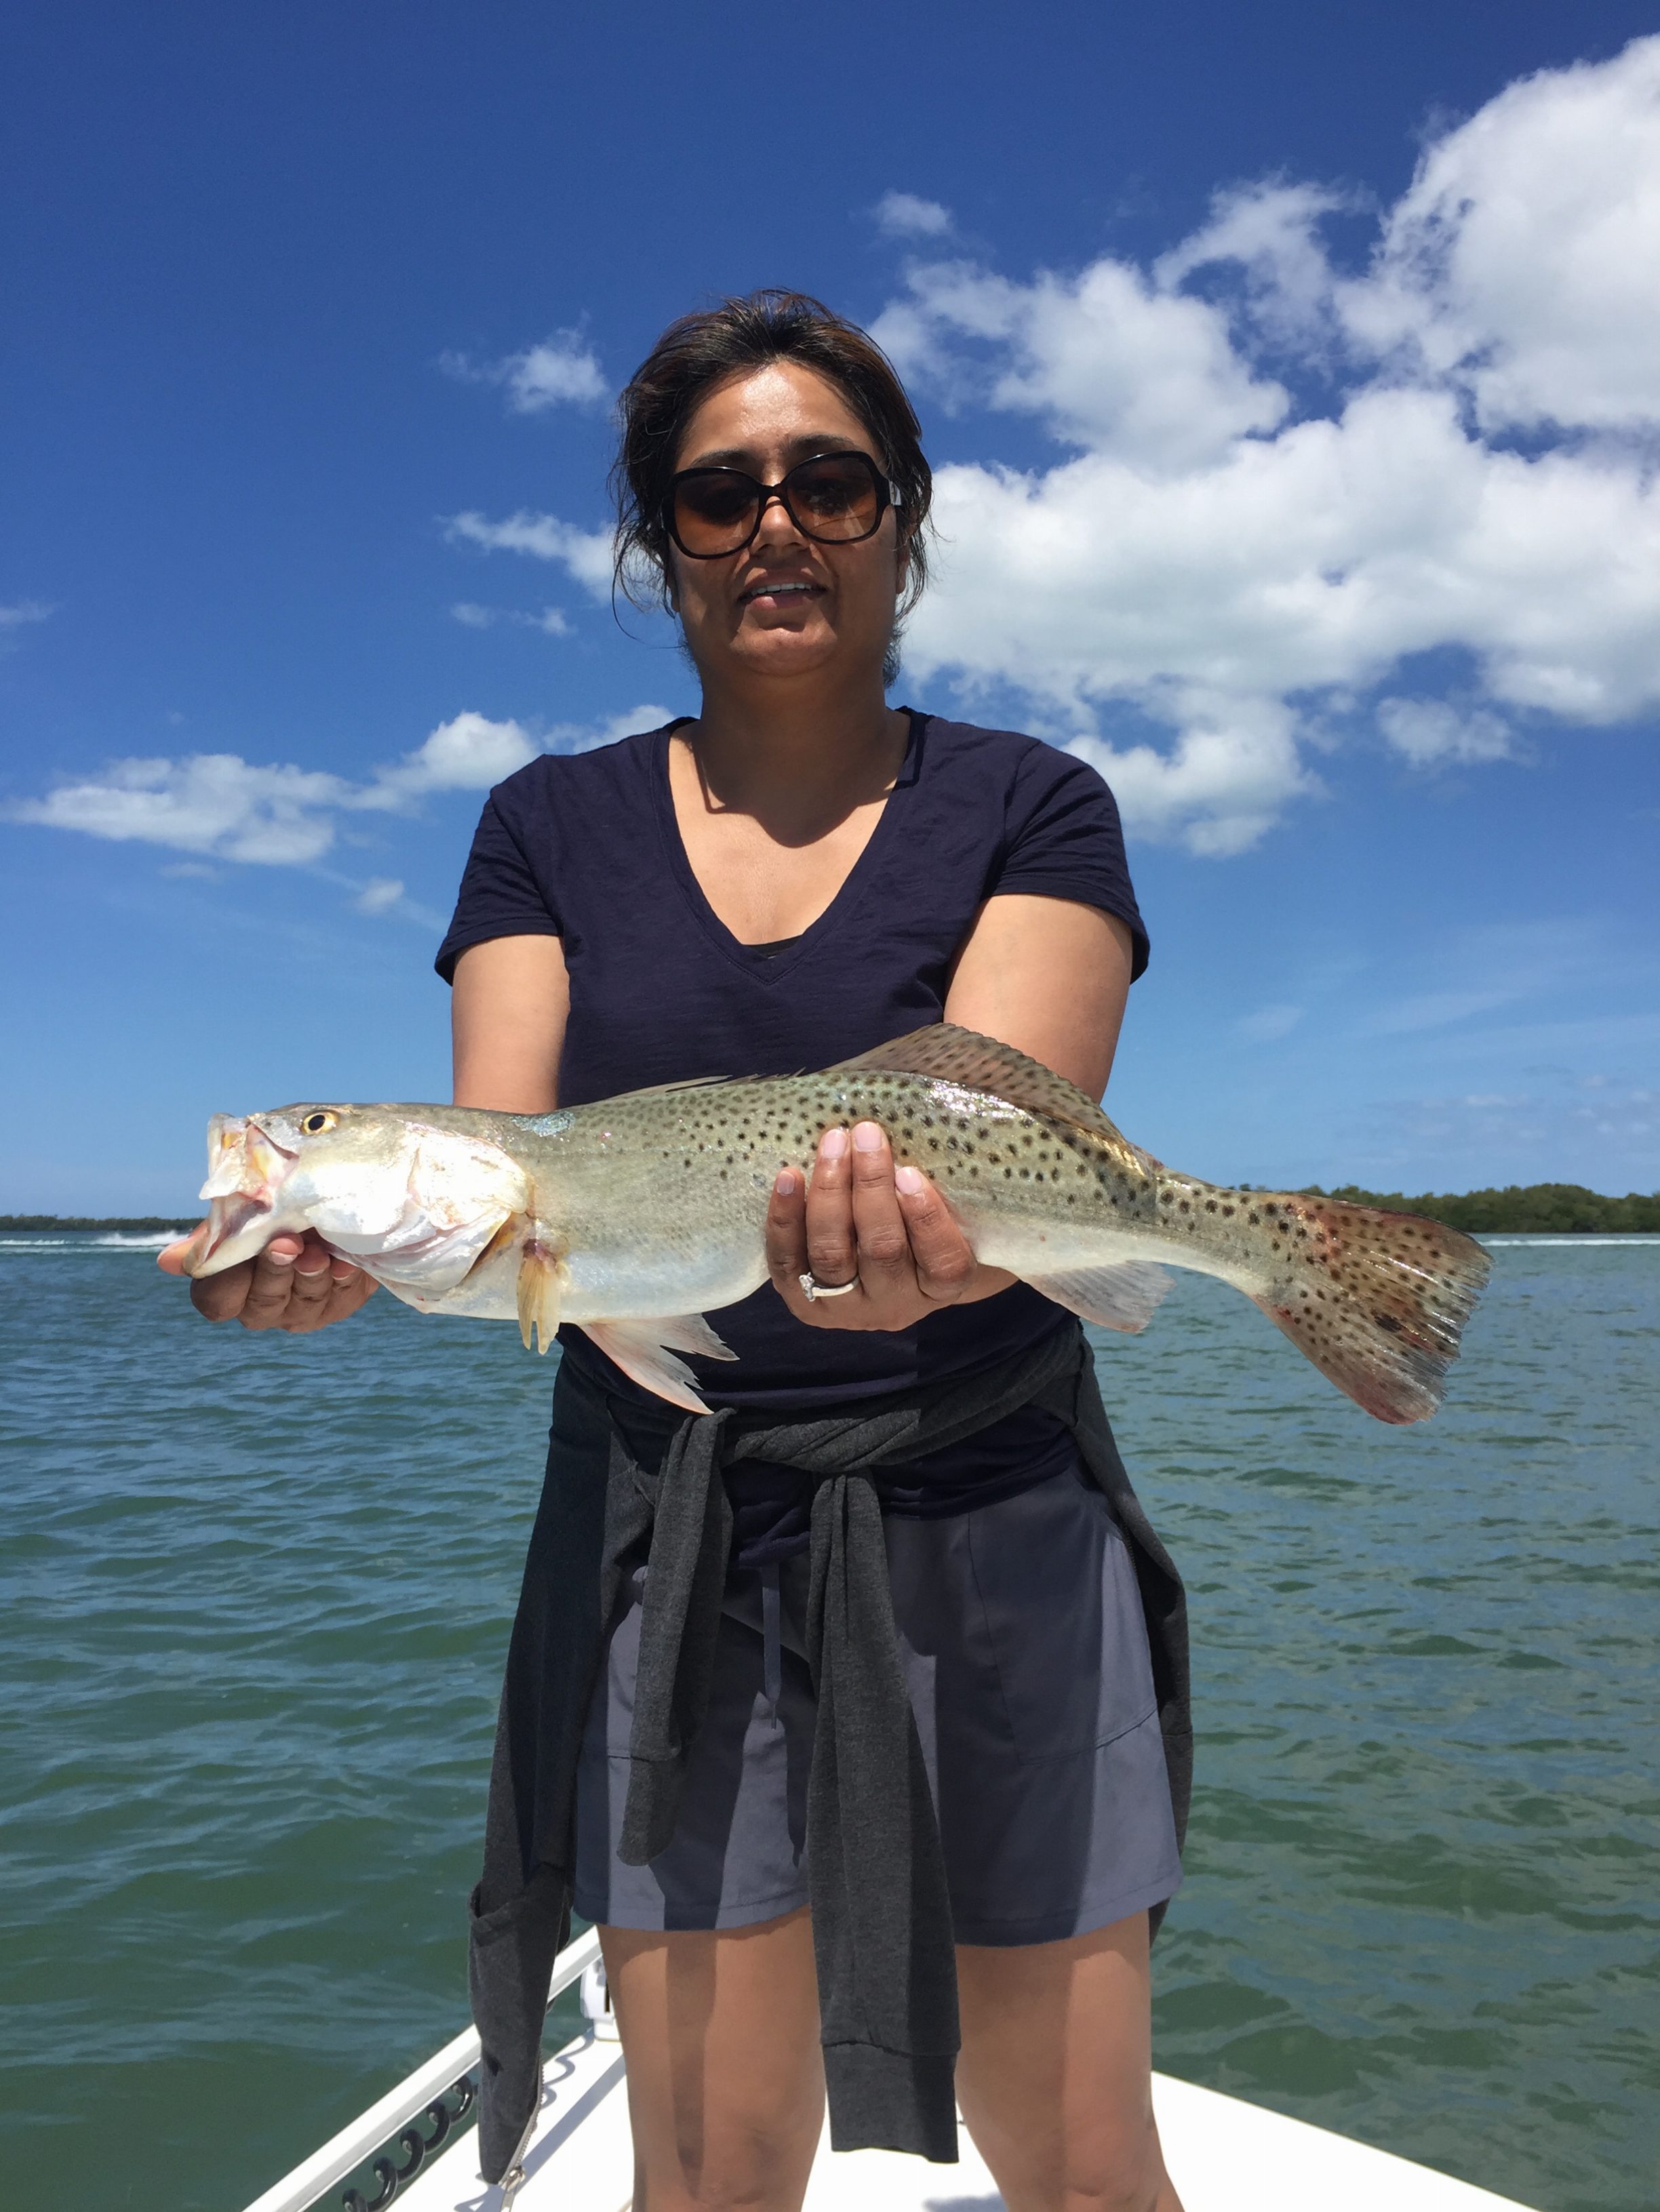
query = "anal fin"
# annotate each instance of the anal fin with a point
(641, 1349)
(1124, 1297)
(540, 1292)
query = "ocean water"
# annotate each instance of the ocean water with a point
(255, 1592)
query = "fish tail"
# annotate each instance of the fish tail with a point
(1377, 1301)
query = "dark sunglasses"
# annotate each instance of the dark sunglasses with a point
(835, 498)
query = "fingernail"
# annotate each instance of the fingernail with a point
(908, 1181)
(866, 1137)
(282, 1259)
(833, 1144)
(785, 1185)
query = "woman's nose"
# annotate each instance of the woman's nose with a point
(777, 525)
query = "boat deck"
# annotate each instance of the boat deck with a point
(1223, 2155)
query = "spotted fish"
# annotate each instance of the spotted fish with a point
(635, 1216)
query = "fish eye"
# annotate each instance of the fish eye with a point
(315, 1124)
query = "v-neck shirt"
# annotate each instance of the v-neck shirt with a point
(587, 848)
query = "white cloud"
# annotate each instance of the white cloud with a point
(552, 621)
(213, 803)
(560, 371)
(468, 753)
(1269, 1023)
(586, 554)
(18, 616)
(1238, 567)
(1271, 233)
(902, 215)
(379, 895)
(583, 736)
(1431, 733)
(1111, 363)
(1232, 770)
(229, 809)
(1524, 259)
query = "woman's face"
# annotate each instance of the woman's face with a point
(786, 605)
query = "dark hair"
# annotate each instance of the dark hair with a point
(703, 349)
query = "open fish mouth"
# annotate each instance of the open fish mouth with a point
(246, 1165)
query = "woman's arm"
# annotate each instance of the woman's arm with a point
(1047, 975)
(510, 1001)
(1050, 978)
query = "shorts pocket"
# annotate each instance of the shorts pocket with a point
(1062, 1614)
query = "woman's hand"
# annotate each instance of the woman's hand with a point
(862, 1219)
(295, 1284)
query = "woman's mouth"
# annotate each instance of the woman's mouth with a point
(772, 593)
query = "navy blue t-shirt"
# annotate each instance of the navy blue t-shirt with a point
(585, 848)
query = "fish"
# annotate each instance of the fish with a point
(634, 1218)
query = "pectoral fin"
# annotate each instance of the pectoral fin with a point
(640, 1348)
(540, 1289)
(1122, 1297)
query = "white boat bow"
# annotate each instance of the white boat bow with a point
(1224, 2155)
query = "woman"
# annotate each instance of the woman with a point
(792, 877)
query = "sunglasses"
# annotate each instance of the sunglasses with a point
(836, 499)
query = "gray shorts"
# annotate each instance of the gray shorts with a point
(1024, 1651)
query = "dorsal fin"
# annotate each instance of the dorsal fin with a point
(980, 1063)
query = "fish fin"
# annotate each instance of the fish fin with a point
(540, 1288)
(1377, 1301)
(951, 1054)
(636, 1347)
(689, 1333)
(685, 1083)
(1120, 1297)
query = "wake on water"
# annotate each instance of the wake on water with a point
(147, 1240)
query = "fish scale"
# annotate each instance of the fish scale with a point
(633, 1217)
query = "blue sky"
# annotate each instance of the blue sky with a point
(1293, 374)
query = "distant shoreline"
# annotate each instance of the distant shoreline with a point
(1547, 1209)
(52, 1224)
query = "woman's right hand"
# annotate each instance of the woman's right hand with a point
(295, 1284)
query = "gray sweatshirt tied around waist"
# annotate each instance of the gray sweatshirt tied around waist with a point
(881, 1915)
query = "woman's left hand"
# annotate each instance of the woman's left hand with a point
(862, 1221)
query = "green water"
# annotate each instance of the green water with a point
(254, 1594)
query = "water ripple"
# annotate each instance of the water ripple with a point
(256, 1596)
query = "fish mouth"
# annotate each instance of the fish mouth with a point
(226, 1219)
(247, 1166)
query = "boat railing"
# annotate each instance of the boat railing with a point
(400, 2107)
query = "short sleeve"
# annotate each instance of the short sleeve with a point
(1065, 842)
(501, 895)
